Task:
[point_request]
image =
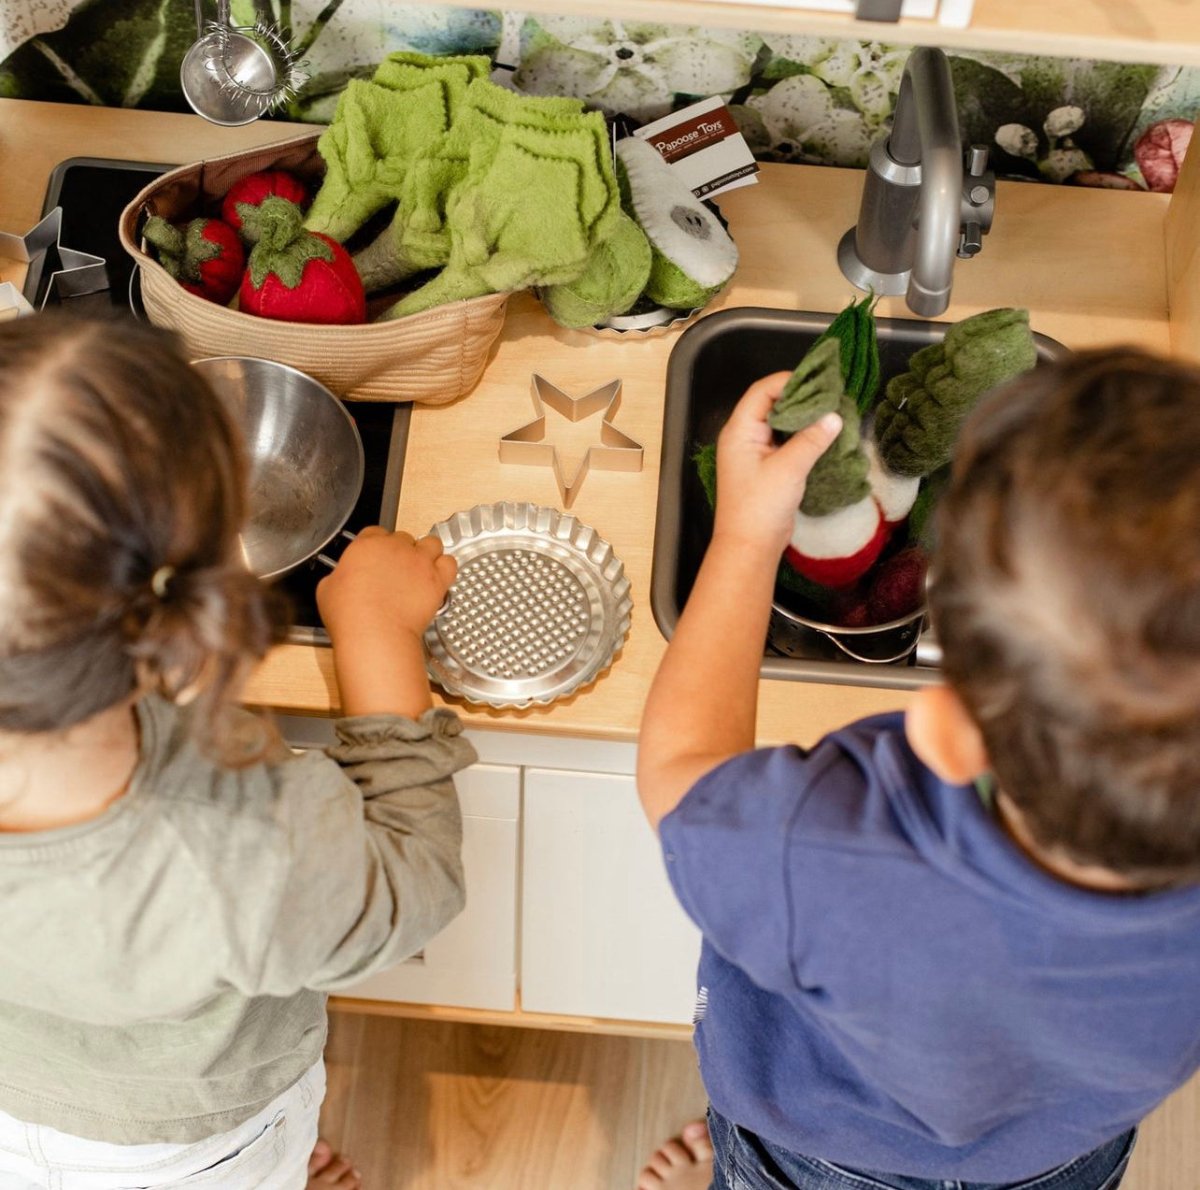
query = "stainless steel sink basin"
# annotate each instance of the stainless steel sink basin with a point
(709, 369)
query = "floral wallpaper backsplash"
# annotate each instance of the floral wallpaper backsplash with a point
(796, 98)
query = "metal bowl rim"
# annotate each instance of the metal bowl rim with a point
(360, 455)
(838, 630)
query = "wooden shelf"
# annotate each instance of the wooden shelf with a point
(1158, 31)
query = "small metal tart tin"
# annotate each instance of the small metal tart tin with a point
(540, 607)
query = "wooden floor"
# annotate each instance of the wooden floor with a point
(430, 1106)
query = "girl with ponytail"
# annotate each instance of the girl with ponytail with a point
(178, 893)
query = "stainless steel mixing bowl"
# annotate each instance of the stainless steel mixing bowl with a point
(306, 459)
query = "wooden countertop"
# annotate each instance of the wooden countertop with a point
(1053, 249)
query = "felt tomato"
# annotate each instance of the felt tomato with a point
(299, 276)
(240, 206)
(205, 256)
(837, 549)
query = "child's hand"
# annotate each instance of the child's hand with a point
(760, 485)
(376, 606)
(386, 582)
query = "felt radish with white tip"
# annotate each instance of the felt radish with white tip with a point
(838, 530)
(837, 549)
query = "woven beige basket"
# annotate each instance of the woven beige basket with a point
(429, 358)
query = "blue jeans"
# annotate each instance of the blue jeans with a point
(744, 1161)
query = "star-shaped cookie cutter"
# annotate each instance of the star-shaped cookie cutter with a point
(614, 452)
(78, 273)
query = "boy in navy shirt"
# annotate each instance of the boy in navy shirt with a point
(907, 982)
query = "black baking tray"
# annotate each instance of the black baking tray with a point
(92, 191)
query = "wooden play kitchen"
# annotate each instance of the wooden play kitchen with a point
(557, 853)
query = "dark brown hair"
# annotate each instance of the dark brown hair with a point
(1066, 595)
(122, 492)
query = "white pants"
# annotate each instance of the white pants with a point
(270, 1151)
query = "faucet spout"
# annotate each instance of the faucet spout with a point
(911, 213)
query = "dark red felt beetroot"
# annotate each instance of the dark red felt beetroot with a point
(205, 256)
(296, 275)
(240, 206)
(898, 586)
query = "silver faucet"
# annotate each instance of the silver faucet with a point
(920, 205)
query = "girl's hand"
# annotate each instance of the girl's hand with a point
(376, 606)
(385, 582)
(760, 485)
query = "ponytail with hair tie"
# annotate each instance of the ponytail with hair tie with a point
(160, 581)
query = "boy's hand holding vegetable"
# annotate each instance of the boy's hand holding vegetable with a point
(376, 606)
(702, 704)
(763, 482)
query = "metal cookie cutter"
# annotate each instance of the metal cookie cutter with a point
(614, 452)
(78, 273)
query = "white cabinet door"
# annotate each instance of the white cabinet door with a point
(601, 931)
(472, 962)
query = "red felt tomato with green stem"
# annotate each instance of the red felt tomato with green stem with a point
(242, 201)
(296, 275)
(205, 256)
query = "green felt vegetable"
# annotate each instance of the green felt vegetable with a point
(815, 388)
(518, 192)
(919, 416)
(380, 128)
(500, 240)
(615, 275)
(854, 329)
(693, 255)
(705, 459)
(839, 476)
(920, 518)
(419, 237)
(368, 149)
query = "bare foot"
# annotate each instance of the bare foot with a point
(327, 1168)
(685, 1163)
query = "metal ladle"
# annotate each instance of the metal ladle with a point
(231, 76)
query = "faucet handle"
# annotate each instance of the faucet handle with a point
(977, 160)
(978, 201)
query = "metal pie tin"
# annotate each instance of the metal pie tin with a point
(540, 607)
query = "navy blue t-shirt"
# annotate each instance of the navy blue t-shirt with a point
(888, 982)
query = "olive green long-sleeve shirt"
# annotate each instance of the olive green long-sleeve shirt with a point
(164, 966)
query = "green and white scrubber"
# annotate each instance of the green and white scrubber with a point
(693, 255)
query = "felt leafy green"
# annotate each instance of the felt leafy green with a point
(921, 411)
(518, 193)
(367, 150)
(854, 329)
(380, 128)
(921, 520)
(705, 459)
(418, 237)
(499, 240)
(815, 388)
